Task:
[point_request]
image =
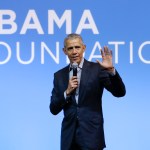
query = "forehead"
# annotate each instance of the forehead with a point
(73, 42)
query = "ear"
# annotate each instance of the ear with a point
(65, 51)
(84, 47)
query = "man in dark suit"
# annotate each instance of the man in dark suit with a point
(80, 96)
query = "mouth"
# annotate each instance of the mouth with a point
(74, 58)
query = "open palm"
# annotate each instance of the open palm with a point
(106, 58)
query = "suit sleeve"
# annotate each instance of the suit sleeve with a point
(114, 84)
(57, 100)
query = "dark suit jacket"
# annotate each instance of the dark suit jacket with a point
(88, 111)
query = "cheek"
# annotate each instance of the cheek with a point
(81, 53)
(66, 53)
(69, 55)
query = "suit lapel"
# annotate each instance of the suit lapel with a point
(65, 77)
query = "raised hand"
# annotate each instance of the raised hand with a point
(106, 58)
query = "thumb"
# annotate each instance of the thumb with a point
(99, 62)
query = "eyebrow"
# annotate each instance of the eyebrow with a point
(71, 47)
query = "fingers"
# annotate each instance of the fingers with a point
(106, 51)
(72, 85)
(73, 82)
(102, 53)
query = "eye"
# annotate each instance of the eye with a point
(69, 48)
(73, 47)
(77, 47)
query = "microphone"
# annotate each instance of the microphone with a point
(74, 67)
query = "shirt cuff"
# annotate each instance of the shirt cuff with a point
(113, 72)
(65, 96)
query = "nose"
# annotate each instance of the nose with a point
(74, 50)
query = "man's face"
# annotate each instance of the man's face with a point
(74, 50)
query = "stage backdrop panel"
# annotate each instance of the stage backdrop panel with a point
(31, 42)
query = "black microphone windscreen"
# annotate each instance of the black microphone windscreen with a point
(74, 67)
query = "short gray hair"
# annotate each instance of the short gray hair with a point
(72, 36)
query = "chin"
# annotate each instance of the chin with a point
(75, 61)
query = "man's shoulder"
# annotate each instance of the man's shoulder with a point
(62, 70)
(91, 64)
